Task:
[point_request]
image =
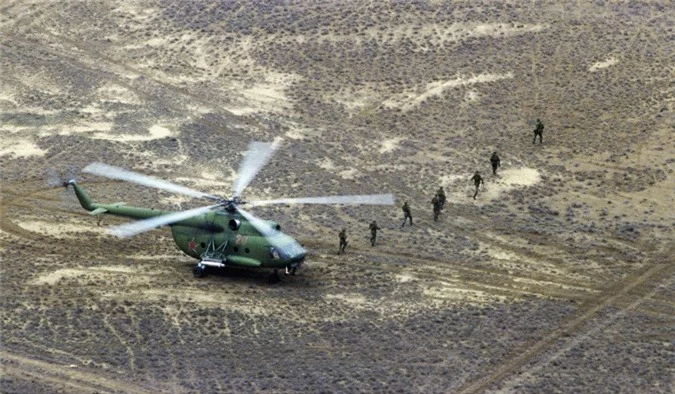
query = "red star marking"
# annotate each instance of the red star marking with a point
(192, 245)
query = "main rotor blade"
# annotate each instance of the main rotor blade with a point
(133, 228)
(263, 227)
(371, 199)
(126, 175)
(272, 235)
(258, 154)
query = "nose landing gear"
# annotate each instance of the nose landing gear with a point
(199, 271)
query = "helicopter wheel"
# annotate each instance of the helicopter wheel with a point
(199, 271)
(274, 277)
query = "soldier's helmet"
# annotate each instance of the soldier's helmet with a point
(344, 229)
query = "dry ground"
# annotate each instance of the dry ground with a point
(560, 277)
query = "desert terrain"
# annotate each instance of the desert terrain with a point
(559, 277)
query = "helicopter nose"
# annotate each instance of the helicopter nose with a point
(298, 257)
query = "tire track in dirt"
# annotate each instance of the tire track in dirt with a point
(54, 374)
(572, 325)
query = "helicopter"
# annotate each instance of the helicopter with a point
(222, 234)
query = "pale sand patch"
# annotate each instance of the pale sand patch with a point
(450, 179)
(158, 161)
(60, 230)
(298, 132)
(353, 299)
(604, 64)
(117, 94)
(404, 278)
(266, 95)
(351, 173)
(83, 127)
(513, 262)
(156, 132)
(357, 100)
(554, 284)
(198, 297)
(390, 145)
(471, 96)
(20, 147)
(457, 292)
(410, 99)
(326, 164)
(138, 11)
(145, 257)
(431, 34)
(509, 179)
(202, 182)
(53, 277)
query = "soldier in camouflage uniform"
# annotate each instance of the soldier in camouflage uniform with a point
(406, 214)
(496, 162)
(538, 131)
(343, 240)
(441, 196)
(373, 232)
(477, 180)
(436, 202)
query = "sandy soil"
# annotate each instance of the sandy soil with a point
(560, 277)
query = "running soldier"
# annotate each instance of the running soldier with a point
(373, 232)
(538, 131)
(406, 214)
(441, 196)
(343, 240)
(477, 180)
(436, 202)
(496, 163)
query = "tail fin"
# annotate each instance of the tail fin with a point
(84, 199)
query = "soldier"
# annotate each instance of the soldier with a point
(373, 232)
(441, 196)
(343, 240)
(494, 159)
(437, 207)
(477, 180)
(538, 131)
(406, 214)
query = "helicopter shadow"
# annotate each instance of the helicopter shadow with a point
(261, 277)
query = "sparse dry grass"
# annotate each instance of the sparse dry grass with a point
(566, 254)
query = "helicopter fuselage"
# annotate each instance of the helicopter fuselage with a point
(221, 237)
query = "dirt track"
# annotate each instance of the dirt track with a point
(560, 277)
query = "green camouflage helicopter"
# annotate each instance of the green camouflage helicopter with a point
(222, 234)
